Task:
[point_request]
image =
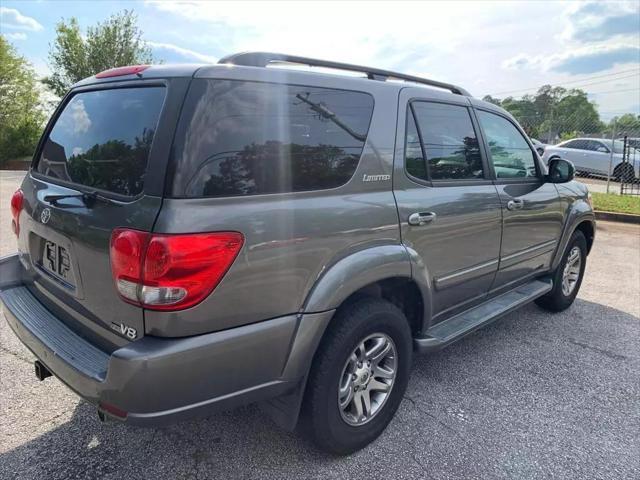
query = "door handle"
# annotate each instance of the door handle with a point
(515, 204)
(421, 218)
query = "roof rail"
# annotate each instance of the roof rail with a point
(262, 59)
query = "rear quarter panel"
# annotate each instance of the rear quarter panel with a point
(291, 239)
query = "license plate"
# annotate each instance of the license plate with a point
(57, 261)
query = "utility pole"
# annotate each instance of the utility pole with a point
(613, 139)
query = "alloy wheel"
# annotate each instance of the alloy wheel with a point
(367, 379)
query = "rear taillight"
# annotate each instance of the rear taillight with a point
(16, 207)
(170, 272)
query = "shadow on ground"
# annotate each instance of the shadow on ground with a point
(532, 395)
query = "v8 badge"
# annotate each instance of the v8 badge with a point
(125, 330)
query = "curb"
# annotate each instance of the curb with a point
(617, 217)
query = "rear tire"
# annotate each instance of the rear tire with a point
(624, 173)
(331, 415)
(567, 277)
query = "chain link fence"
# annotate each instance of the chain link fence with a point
(607, 157)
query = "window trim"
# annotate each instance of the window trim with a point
(410, 112)
(499, 181)
(35, 160)
(462, 182)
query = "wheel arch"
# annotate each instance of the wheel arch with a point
(383, 272)
(579, 217)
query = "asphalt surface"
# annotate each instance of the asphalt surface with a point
(534, 395)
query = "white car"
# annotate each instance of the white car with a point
(539, 146)
(593, 155)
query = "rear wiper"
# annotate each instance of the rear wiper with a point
(88, 198)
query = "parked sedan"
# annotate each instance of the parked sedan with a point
(539, 146)
(593, 155)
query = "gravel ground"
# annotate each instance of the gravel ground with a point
(534, 395)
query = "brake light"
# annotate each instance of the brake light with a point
(121, 71)
(16, 207)
(170, 272)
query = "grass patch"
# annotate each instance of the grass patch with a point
(610, 202)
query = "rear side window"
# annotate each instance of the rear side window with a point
(577, 144)
(247, 138)
(102, 139)
(449, 140)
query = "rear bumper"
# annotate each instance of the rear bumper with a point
(159, 380)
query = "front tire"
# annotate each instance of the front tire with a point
(567, 278)
(358, 377)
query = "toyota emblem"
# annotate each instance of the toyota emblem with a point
(45, 215)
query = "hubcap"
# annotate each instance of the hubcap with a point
(367, 379)
(571, 271)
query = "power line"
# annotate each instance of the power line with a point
(609, 80)
(616, 91)
(576, 81)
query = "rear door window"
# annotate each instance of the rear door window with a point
(449, 140)
(102, 139)
(247, 138)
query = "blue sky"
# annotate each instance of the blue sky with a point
(487, 47)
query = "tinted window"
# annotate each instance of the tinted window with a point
(102, 139)
(575, 144)
(597, 146)
(245, 138)
(413, 151)
(449, 140)
(510, 152)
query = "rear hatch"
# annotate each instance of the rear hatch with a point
(100, 166)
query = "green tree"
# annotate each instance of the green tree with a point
(114, 43)
(553, 112)
(627, 124)
(21, 118)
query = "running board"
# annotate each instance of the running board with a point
(448, 331)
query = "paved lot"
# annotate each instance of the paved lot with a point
(532, 396)
(599, 184)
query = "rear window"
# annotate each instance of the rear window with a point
(247, 138)
(102, 139)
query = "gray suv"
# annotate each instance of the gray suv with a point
(196, 238)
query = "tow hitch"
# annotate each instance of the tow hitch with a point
(42, 372)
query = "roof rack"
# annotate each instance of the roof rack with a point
(262, 59)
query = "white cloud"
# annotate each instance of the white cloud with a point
(12, 18)
(345, 31)
(579, 60)
(522, 61)
(185, 52)
(79, 117)
(15, 36)
(598, 21)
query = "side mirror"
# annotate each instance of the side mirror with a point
(602, 150)
(560, 171)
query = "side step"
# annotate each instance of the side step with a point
(448, 331)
